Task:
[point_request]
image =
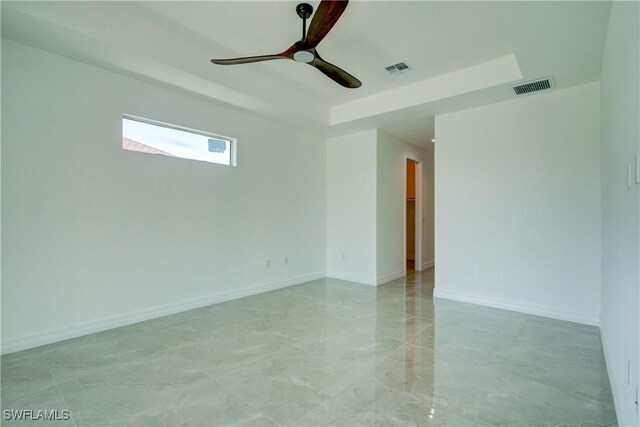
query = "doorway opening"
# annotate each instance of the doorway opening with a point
(413, 216)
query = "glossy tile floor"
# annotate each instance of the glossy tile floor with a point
(323, 353)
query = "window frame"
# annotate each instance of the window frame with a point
(231, 141)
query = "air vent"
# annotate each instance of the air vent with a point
(400, 67)
(533, 86)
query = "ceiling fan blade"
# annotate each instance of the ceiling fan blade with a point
(287, 54)
(249, 59)
(335, 73)
(327, 14)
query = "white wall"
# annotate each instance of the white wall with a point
(94, 236)
(518, 197)
(620, 96)
(391, 182)
(428, 252)
(351, 207)
(365, 206)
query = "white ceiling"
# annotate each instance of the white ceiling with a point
(462, 54)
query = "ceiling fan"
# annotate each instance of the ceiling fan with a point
(304, 50)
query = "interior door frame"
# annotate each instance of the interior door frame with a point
(418, 218)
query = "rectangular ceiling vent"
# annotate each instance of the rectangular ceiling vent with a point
(398, 68)
(534, 86)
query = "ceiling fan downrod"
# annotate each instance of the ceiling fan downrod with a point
(304, 11)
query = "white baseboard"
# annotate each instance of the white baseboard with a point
(352, 278)
(617, 391)
(521, 308)
(366, 280)
(49, 336)
(390, 277)
(428, 264)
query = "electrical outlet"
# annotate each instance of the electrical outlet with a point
(286, 261)
(476, 272)
(268, 263)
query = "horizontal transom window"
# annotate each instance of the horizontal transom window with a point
(150, 136)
